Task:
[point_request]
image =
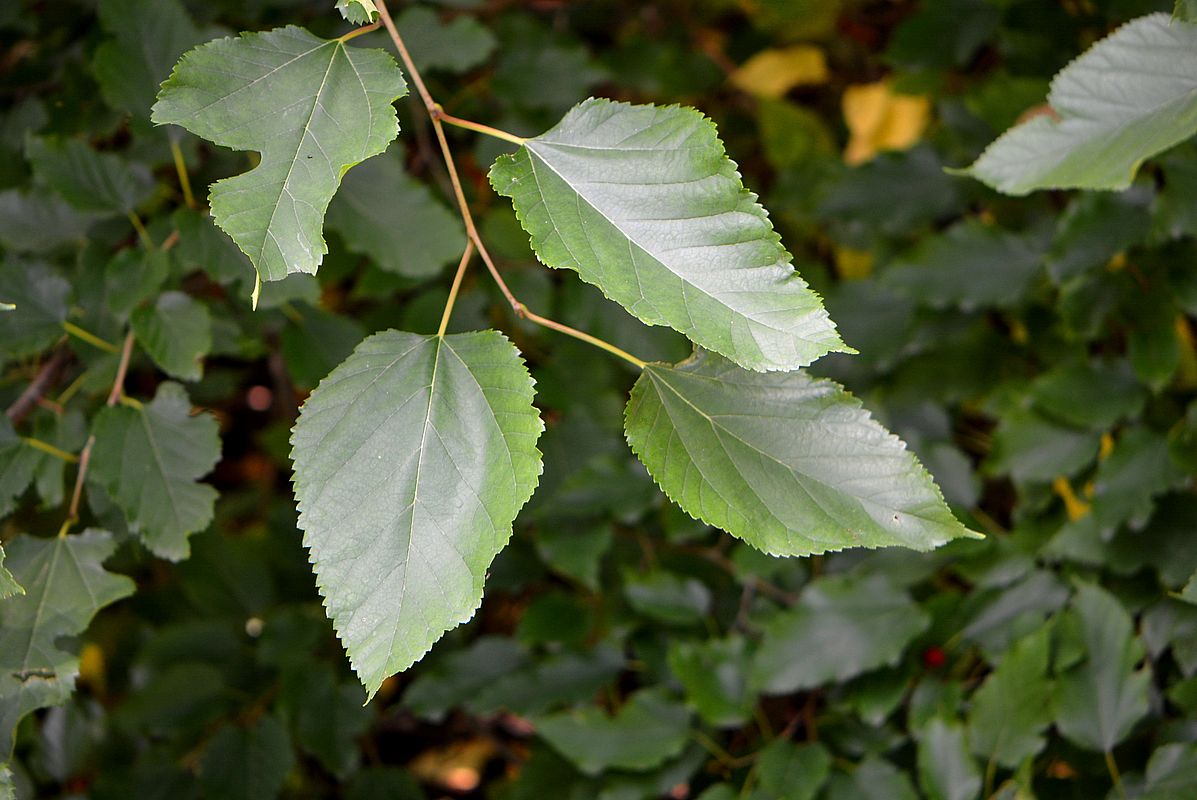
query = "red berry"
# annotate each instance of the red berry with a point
(934, 657)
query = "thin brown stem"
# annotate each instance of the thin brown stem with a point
(461, 270)
(436, 114)
(118, 385)
(356, 32)
(478, 127)
(582, 336)
(114, 397)
(46, 377)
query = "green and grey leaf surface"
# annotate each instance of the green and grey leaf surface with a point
(89, 180)
(646, 731)
(177, 333)
(384, 213)
(67, 585)
(644, 203)
(1100, 700)
(311, 107)
(150, 460)
(1130, 96)
(791, 464)
(412, 459)
(146, 38)
(1012, 709)
(842, 627)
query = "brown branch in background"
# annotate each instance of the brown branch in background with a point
(46, 377)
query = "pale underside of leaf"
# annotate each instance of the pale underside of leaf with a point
(412, 459)
(644, 203)
(312, 107)
(1132, 95)
(790, 464)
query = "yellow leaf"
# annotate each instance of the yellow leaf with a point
(880, 119)
(91, 669)
(1073, 505)
(772, 73)
(853, 265)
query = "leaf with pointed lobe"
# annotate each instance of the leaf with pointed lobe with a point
(66, 585)
(150, 460)
(177, 333)
(89, 180)
(313, 108)
(644, 203)
(412, 459)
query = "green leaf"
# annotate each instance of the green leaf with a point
(37, 221)
(1171, 773)
(312, 107)
(177, 333)
(317, 343)
(359, 12)
(947, 770)
(150, 459)
(644, 203)
(146, 37)
(647, 730)
(786, 771)
(714, 674)
(39, 296)
(1130, 96)
(18, 463)
(667, 597)
(88, 180)
(389, 216)
(842, 627)
(1089, 393)
(1012, 708)
(775, 459)
(1185, 11)
(456, 46)
(1095, 228)
(247, 763)
(67, 585)
(1030, 448)
(8, 584)
(412, 459)
(1100, 700)
(970, 266)
(873, 779)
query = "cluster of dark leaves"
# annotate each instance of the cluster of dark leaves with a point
(1038, 354)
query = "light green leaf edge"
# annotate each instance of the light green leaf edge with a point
(1130, 96)
(378, 637)
(917, 518)
(748, 304)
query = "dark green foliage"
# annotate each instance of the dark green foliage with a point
(1037, 354)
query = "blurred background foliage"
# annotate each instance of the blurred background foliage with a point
(1037, 353)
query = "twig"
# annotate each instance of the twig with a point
(436, 114)
(461, 268)
(114, 396)
(46, 377)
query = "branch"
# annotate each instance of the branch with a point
(46, 377)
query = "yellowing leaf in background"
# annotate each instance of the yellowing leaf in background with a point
(880, 119)
(853, 265)
(772, 73)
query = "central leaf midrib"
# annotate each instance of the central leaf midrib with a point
(798, 476)
(268, 231)
(535, 156)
